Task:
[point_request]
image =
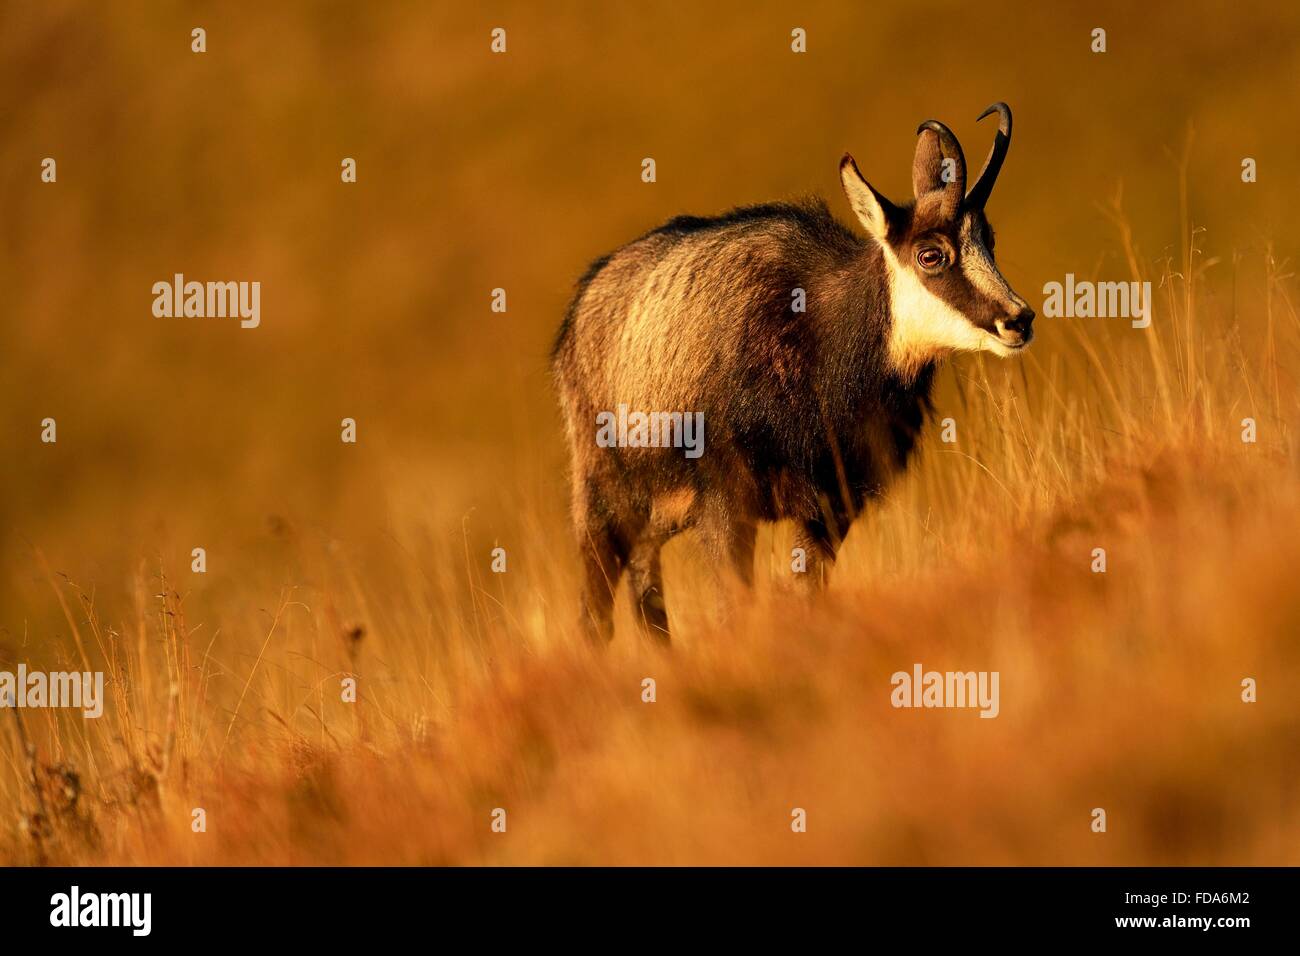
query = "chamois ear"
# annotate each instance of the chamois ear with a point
(872, 209)
(928, 173)
(927, 164)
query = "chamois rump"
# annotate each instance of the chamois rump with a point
(808, 412)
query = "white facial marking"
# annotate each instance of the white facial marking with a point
(924, 326)
(977, 265)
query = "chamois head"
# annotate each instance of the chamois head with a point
(946, 292)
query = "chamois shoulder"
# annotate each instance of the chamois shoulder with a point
(809, 216)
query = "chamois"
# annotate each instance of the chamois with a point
(809, 351)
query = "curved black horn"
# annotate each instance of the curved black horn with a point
(952, 149)
(979, 193)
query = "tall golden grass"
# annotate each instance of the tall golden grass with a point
(1119, 690)
(325, 561)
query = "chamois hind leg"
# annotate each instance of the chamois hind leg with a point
(604, 556)
(671, 511)
(645, 581)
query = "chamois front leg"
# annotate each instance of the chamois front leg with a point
(819, 544)
(729, 545)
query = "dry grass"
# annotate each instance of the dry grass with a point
(1118, 690)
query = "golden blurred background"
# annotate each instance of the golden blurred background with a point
(478, 171)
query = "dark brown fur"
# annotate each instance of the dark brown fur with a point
(803, 417)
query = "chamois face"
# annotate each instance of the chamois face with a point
(952, 267)
(946, 293)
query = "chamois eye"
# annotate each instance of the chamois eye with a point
(931, 258)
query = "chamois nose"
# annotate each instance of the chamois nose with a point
(1021, 322)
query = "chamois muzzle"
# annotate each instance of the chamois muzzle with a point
(1017, 329)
